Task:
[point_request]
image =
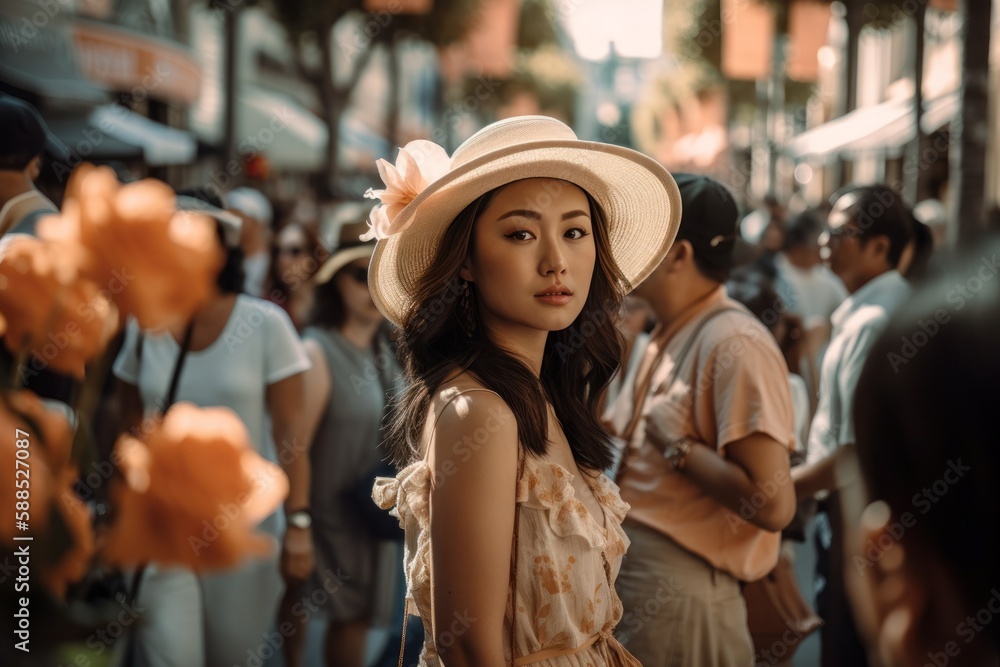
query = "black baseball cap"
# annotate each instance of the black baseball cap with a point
(25, 133)
(709, 219)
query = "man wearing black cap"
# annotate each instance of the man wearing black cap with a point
(22, 142)
(708, 426)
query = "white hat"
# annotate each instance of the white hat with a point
(251, 203)
(426, 190)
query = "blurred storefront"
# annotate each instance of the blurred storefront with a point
(111, 79)
(872, 139)
(277, 135)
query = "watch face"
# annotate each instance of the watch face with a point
(300, 520)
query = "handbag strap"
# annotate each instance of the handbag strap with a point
(643, 382)
(513, 555)
(168, 401)
(178, 366)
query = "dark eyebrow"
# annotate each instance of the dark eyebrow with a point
(521, 213)
(535, 215)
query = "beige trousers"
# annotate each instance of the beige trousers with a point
(679, 611)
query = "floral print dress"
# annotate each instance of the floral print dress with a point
(567, 608)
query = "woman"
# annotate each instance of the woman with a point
(296, 255)
(353, 375)
(505, 267)
(924, 579)
(244, 354)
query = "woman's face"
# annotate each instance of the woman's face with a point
(292, 259)
(352, 281)
(532, 255)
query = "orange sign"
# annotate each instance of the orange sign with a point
(747, 39)
(123, 60)
(807, 26)
(399, 6)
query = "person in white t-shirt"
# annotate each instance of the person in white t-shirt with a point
(243, 354)
(809, 289)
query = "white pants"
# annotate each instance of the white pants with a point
(209, 620)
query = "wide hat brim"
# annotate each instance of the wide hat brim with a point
(638, 196)
(339, 259)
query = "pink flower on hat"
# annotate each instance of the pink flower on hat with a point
(418, 164)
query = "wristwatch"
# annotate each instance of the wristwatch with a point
(300, 518)
(676, 453)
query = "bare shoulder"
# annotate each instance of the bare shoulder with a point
(471, 419)
(465, 405)
(461, 395)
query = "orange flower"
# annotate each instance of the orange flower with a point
(56, 436)
(28, 457)
(193, 493)
(47, 310)
(156, 263)
(74, 562)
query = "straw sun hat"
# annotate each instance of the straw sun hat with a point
(426, 190)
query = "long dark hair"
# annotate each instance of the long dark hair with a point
(924, 412)
(578, 361)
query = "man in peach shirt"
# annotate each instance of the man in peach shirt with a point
(708, 427)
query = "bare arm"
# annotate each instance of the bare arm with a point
(317, 390)
(285, 402)
(821, 475)
(472, 522)
(754, 474)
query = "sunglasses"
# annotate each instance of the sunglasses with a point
(837, 234)
(358, 273)
(293, 250)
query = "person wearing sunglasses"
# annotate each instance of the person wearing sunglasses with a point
(354, 372)
(296, 255)
(868, 229)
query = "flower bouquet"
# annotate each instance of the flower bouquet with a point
(113, 252)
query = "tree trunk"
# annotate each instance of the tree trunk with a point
(335, 101)
(970, 127)
(331, 111)
(911, 163)
(392, 113)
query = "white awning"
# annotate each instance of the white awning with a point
(160, 144)
(290, 136)
(887, 126)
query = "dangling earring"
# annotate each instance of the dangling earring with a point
(468, 307)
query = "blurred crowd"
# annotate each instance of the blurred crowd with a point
(293, 343)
